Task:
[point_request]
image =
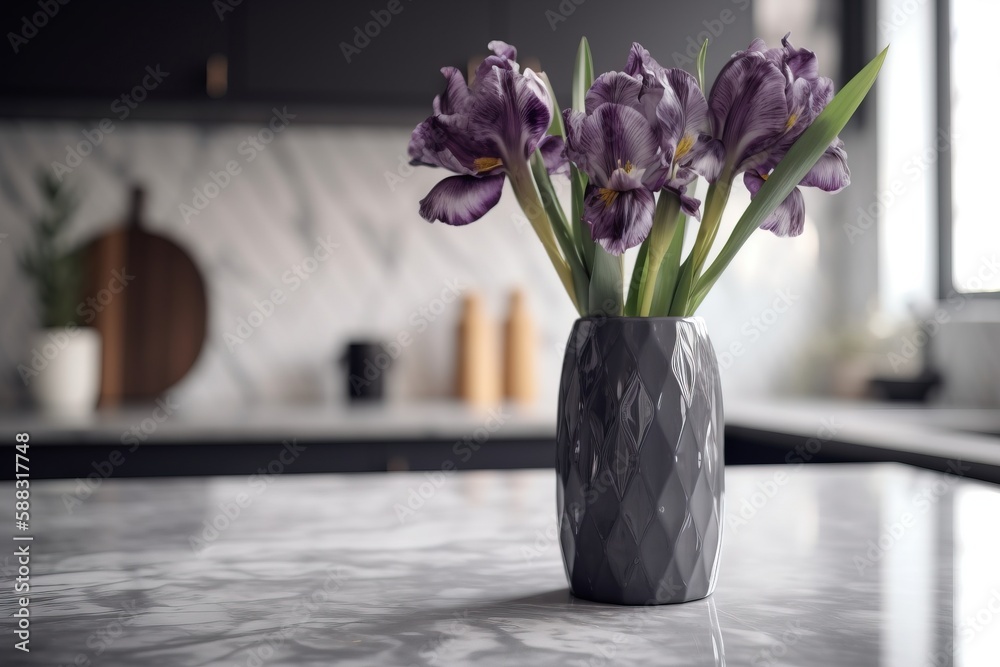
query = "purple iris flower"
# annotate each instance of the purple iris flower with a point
(483, 132)
(615, 145)
(761, 103)
(642, 130)
(674, 103)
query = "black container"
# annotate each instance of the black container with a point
(367, 364)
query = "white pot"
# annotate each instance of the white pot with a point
(65, 369)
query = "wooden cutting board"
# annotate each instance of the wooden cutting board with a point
(146, 297)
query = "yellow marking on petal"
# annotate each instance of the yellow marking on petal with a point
(764, 176)
(483, 164)
(791, 121)
(607, 196)
(684, 146)
(628, 167)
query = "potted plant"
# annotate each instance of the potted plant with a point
(640, 422)
(62, 371)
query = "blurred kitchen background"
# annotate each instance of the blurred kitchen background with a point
(276, 222)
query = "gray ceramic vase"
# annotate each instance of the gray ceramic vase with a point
(639, 460)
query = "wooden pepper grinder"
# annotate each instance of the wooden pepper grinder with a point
(520, 352)
(479, 381)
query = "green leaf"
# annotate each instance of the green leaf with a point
(606, 270)
(800, 159)
(583, 78)
(56, 274)
(638, 281)
(682, 292)
(665, 217)
(583, 74)
(556, 128)
(550, 201)
(560, 226)
(606, 284)
(670, 268)
(702, 54)
(581, 231)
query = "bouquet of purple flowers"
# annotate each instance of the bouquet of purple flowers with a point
(633, 146)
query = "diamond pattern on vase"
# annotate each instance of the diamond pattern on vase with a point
(639, 460)
(636, 509)
(622, 552)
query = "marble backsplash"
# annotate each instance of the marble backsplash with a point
(327, 215)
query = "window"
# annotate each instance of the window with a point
(969, 99)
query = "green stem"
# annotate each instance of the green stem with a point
(530, 201)
(666, 282)
(668, 208)
(715, 204)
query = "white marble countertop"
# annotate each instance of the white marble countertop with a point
(822, 565)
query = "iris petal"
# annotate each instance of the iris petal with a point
(459, 200)
(512, 111)
(789, 218)
(573, 120)
(801, 62)
(691, 206)
(613, 88)
(748, 107)
(822, 94)
(614, 136)
(640, 62)
(456, 97)
(684, 113)
(553, 150)
(830, 173)
(706, 158)
(445, 141)
(489, 62)
(786, 220)
(620, 221)
(503, 49)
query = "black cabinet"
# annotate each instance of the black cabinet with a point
(379, 53)
(101, 51)
(672, 30)
(71, 58)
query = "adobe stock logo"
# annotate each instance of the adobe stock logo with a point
(223, 7)
(714, 27)
(122, 107)
(30, 25)
(363, 35)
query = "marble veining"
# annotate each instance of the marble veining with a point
(821, 565)
(350, 186)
